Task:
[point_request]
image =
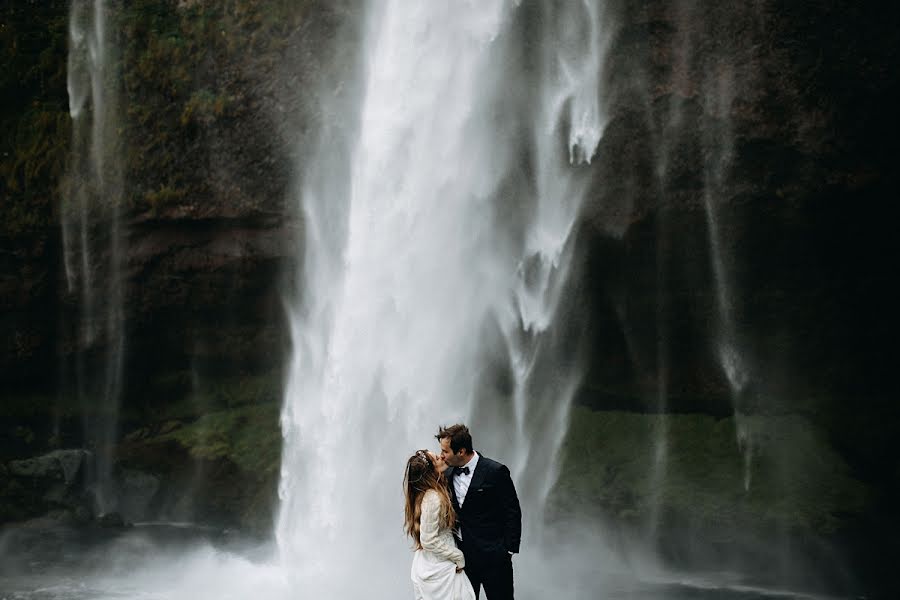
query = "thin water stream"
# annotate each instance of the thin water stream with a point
(93, 235)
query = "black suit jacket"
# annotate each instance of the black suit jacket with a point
(490, 518)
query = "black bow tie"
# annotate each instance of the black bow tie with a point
(463, 470)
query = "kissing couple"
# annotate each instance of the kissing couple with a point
(463, 515)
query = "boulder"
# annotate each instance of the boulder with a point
(111, 520)
(136, 491)
(61, 465)
(50, 484)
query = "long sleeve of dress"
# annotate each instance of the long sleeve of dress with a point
(435, 540)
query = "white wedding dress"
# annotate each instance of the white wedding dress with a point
(434, 573)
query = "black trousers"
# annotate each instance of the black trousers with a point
(496, 577)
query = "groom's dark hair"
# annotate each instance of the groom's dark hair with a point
(459, 437)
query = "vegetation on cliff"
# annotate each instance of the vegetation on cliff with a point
(188, 73)
(195, 128)
(34, 120)
(792, 481)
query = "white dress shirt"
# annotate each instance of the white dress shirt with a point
(461, 481)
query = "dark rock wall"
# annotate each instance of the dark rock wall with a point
(775, 117)
(691, 82)
(217, 101)
(34, 132)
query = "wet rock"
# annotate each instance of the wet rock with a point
(136, 493)
(48, 485)
(136, 435)
(82, 515)
(169, 426)
(59, 516)
(56, 493)
(111, 520)
(62, 465)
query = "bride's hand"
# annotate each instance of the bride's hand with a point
(459, 569)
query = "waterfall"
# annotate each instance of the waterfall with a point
(92, 232)
(568, 107)
(434, 262)
(731, 359)
(718, 141)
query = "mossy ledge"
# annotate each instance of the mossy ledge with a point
(792, 475)
(683, 480)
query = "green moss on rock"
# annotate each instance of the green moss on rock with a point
(248, 436)
(227, 460)
(187, 68)
(793, 480)
(34, 121)
(188, 398)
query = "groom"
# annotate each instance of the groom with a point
(488, 516)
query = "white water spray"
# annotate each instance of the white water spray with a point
(425, 253)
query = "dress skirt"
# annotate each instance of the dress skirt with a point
(436, 579)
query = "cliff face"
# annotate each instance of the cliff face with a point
(214, 104)
(734, 258)
(736, 261)
(35, 130)
(211, 98)
(745, 157)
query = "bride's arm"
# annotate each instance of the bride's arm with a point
(429, 531)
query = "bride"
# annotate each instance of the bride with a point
(437, 564)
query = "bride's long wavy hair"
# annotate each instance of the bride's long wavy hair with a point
(421, 476)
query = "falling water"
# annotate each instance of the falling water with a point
(545, 376)
(719, 142)
(429, 251)
(92, 234)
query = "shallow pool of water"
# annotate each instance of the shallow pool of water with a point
(167, 561)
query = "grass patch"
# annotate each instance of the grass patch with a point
(612, 463)
(196, 398)
(248, 436)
